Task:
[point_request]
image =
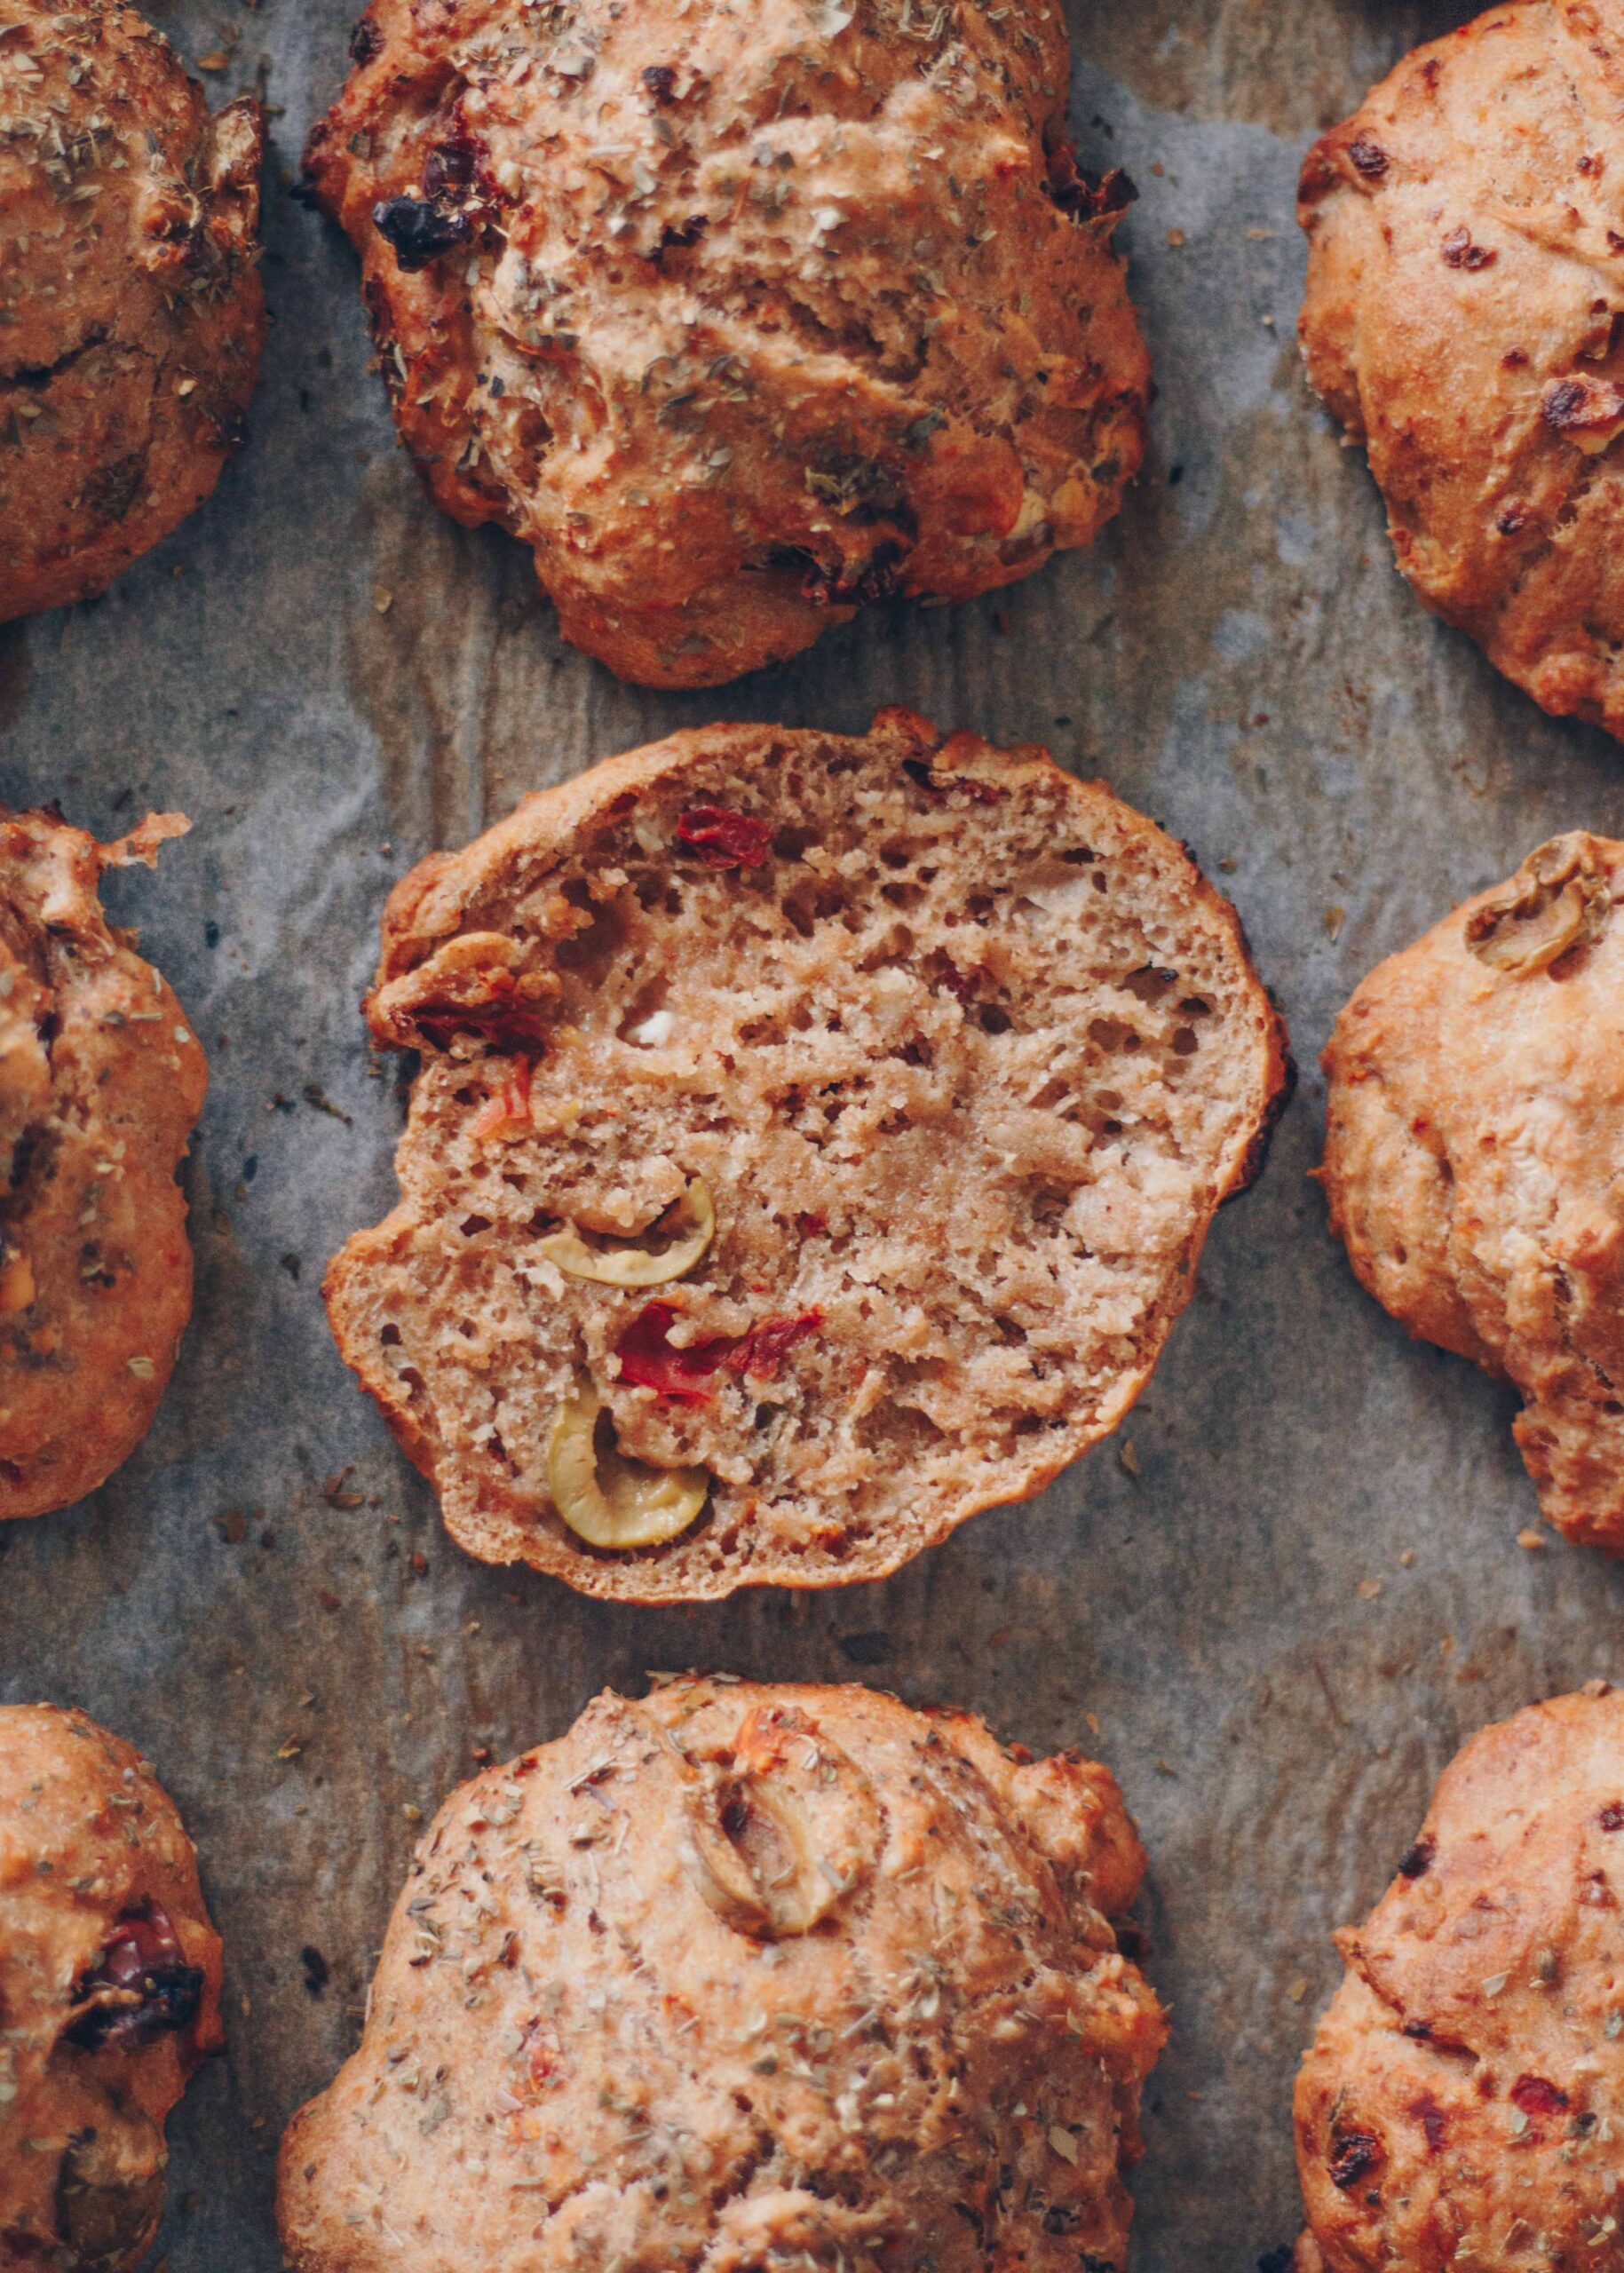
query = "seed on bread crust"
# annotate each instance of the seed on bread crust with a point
(133, 312)
(109, 1992)
(740, 318)
(1465, 321)
(965, 1061)
(744, 1977)
(1475, 1122)
(1463, 2099)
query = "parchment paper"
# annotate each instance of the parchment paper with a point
(1277, 1617)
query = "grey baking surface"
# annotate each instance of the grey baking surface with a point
(1310, 1592)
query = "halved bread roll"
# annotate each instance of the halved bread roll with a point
(814, 1144)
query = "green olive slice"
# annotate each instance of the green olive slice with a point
(688, 1227)
(607, 1499)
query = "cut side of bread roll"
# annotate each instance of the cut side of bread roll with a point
(813, 1143)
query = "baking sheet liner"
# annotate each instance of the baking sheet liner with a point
(1276, 1615)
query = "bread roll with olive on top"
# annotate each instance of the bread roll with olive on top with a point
(1475, 1127)
(101, 1081)
(744, 1977)
(740, 317)
(1463, 2099)
(109, 1992)
(812, 1142)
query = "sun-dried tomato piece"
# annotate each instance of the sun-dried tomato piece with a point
(762, 1352)
(458, 172)
(764, 1736)
(419, 229)
(650, 1360)
(1611, 1816)
(451, 164)
(1353, 2154)
(1461, 252)
(506, 1111)
(1433, 2119)
(1535, 2096)
(725, 839)
(939, 785)
(1087, 196)
(507, 1010)
(140, 1988)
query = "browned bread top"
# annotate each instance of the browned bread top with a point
(1474, 1126)
(1462, 2101)
(109, 1992)
(133, 314)
(828, 1125)
(101, 1080)
(739, 1976)
(1464, 319)
(741, 316)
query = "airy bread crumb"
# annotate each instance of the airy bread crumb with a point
(965, 1053)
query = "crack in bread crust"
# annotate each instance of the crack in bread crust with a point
(966, 1054)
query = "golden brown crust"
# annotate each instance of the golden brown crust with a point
(131, 304)
(1474, 1127)
(1464, 319)
(109, 1992)
(967, 1053)
(1463, 2101)
(742, 1975)
(101, 1080)
(739, 318)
